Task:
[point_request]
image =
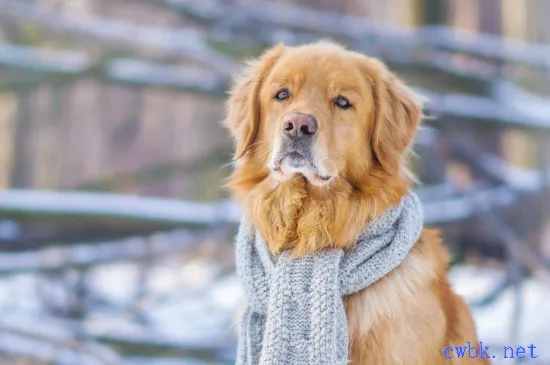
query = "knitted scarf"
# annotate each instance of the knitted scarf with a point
(295, 313)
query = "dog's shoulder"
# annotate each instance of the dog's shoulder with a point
(411, 314)
(403, 288)
(392, 321)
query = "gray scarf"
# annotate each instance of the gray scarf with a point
(295, 314)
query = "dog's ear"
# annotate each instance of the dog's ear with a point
(243, 107)
(397, 115)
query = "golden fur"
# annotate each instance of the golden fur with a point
(410, 315)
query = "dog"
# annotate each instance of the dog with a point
(322, 136)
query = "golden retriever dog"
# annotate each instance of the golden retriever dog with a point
(322, 135)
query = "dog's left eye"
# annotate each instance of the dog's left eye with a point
(342, 102)
(282, 95)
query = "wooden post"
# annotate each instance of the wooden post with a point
(8, 105)
(21, 176)
(434, 12)
(490, 19)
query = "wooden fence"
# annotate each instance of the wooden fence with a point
(157, 95)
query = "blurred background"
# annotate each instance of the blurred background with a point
(115, 230)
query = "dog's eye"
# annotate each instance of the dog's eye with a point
(282, 95)
(342, 102)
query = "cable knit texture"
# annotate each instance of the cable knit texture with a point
(295, 313)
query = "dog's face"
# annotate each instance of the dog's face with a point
(313, 109)
(323, 113)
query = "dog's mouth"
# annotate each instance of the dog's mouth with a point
(296, 162)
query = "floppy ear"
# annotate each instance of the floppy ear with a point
(243, 107)
(397, 115)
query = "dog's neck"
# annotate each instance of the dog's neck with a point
(296, 215)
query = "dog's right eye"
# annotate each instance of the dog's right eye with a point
(282, 95)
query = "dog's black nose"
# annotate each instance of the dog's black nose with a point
(300, 125)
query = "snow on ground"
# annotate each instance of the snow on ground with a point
(494, 322)
(194, 304)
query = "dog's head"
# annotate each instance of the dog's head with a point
(321, 112)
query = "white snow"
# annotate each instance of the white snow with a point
(186, 303)
(494, 321)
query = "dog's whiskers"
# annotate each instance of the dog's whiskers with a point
(254, 144)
